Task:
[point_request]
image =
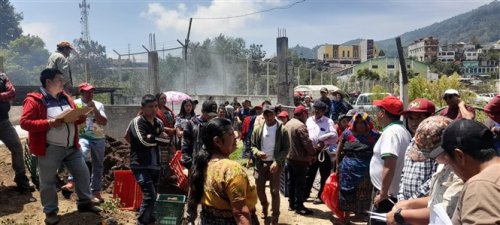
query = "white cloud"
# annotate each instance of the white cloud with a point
(43, 30)
(178, 18)
(40, 29)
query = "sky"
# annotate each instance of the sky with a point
(117, 24)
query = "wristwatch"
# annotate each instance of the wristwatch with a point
(398, 217)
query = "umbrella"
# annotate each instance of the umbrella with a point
(176, 97)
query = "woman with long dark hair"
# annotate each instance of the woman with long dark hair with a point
(219, 184)
(165, 114)
(185, 114)
(353, 159)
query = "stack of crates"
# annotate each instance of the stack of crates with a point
(284, 181)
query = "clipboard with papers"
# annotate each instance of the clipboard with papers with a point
(72, 115)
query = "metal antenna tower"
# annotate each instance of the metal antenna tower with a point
(84, 20)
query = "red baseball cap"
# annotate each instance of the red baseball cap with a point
(283, 114)
(85, 87)
(422, 105)
(390, 103)
(299, 110)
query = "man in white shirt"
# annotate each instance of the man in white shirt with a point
(270, 144)
(323, 135)
(92, 139)
(387, 162)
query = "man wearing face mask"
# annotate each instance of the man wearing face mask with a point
(456, 109)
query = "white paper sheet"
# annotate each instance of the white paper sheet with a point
(378, 216)
(439, 216)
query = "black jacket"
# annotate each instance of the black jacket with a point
(144, 152)
(191, 141)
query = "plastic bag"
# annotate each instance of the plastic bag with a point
(330, 195)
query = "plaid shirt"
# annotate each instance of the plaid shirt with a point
(416, 177)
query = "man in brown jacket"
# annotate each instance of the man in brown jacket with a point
(298, 159)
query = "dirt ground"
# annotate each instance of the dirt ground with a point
(19, 209)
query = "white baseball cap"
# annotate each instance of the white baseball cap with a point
(451, 92)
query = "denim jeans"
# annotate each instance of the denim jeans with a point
(148, 180)
(9, 137)
(47, 167)
(93, 150)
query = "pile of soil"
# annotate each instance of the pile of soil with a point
(116, 157)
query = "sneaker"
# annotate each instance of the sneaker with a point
(317, 201)
(51, 219)
(304, 211)
(98, 198)
(89, 208)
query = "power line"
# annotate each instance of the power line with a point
(252, 13)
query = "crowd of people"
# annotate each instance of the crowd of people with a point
(417, 164)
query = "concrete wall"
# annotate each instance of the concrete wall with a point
(119, 117)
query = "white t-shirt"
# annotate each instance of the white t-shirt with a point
(90, 129)
(269, 140)
(394, 140)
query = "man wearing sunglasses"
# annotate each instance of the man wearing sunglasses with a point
(456, 108)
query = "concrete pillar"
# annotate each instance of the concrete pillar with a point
(153, 72)
(284, 82)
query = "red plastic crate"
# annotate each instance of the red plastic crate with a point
(126, 188)
(176, 167)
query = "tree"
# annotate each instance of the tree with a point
(90, 54)
(9, 23)
(26, 57)
(420, 87)
(378, 93)
(256, 67)
(368, 74)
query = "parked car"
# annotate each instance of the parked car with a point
(364, 102)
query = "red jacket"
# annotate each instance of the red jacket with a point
(34, 120)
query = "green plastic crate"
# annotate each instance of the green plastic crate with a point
(169, 209)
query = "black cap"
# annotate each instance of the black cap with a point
(349, 114)
(210, 107)
(467, 135)
(319, 104)
(269, 108)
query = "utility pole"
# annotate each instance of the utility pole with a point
(403, 77)
(185, 46)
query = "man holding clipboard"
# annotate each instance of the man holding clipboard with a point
(54, 140)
